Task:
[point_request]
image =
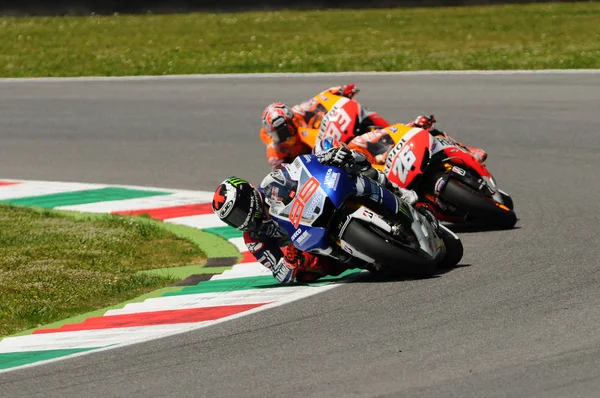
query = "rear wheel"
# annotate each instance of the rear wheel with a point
(478, 205)
(393, 257)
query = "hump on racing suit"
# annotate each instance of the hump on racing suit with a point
(374, 145)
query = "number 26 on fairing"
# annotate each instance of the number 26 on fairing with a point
(403, 163)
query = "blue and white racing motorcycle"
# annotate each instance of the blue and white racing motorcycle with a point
(329, 211)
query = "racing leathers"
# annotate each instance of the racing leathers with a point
(428, 122)
(376, 144)
(289, 264)
(308, 115)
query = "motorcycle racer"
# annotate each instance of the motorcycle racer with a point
(428, 122)
(246, 207)
(280, 124)
(376, 144)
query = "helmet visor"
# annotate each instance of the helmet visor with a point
(237, 217)
(247, 216)
(281, 133)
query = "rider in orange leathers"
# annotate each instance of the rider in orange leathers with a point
(281, 123)
(376, 144)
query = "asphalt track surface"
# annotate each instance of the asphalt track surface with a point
(519, 318)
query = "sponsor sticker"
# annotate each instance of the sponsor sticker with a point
(305, 235)
(295, 235)
(331, 179)
(313, 205)
(458, 170)
(439, 185)
(347, 248)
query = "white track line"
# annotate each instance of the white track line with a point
(200, 221)
(90, 338)
(150, 202)
(243, 270)
(104, 185)
(42, 188)
(239, 244)
(293, 75)
(187, 301)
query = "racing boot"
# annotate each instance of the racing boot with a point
(478, 153)
(439, 215)
(429, 216)
(314, 266)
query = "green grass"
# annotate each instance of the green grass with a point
(54, 265)
(561, 35)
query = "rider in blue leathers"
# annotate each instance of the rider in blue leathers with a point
(241, 205)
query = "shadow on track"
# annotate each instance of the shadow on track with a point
(473, 227)
(380, 277)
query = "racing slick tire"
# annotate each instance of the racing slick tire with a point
(479, 206)
(393, 257)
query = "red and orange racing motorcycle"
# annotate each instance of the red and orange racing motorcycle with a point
(447, 178)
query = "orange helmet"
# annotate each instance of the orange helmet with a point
(277, 120)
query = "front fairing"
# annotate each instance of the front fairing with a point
(396, 132)
(321, 190)
(340, 123)
(407, 161)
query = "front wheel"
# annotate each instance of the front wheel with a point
(393, 257)
(508, 202)
(478, 205)
(454, 247)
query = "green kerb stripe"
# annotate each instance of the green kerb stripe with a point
(12, 359)
(251, 282)
(82, 197)
(226, 232)
(227, 285)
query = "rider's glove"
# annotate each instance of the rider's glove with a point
(429, 216)
(424, 122)
(338, 157)
(268, 228)
(349, 90)
(286, 269)
(407, 195)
